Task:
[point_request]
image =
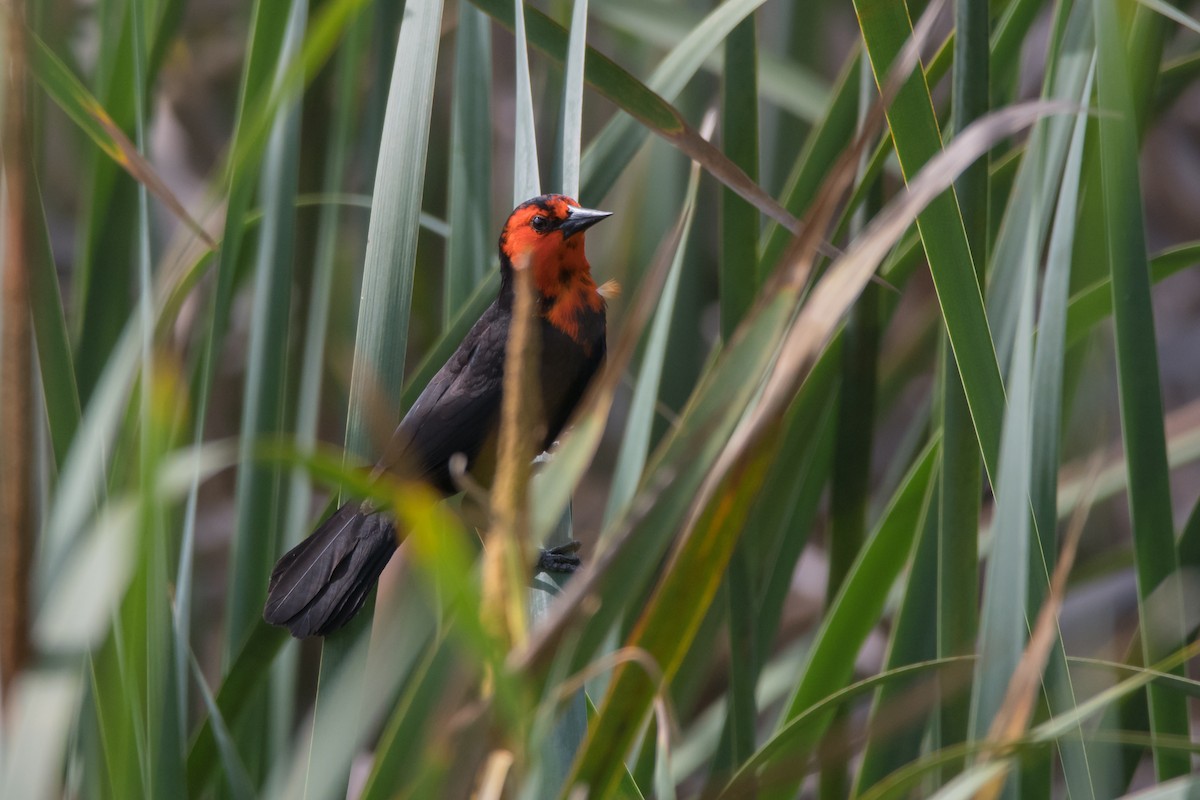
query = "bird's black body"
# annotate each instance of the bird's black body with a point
(459, 409)
(321, 583)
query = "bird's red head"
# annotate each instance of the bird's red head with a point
(546, 235)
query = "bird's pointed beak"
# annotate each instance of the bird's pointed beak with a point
(580, 219)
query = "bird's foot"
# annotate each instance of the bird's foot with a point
(561, 559)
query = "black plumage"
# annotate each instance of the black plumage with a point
(321, 583)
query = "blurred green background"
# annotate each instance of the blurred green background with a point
(825, 488)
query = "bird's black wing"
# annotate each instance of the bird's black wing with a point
(318, 585)
(458, 409)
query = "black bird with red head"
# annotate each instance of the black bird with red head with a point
(321, 583)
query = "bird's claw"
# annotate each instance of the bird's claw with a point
(561, 559)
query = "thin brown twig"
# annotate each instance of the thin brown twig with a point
(1012, 720)
(504, 567)
(16, 402)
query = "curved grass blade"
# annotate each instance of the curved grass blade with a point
(236, 777)
(801, 344)
(407, 729)
(78, 103)
(1003, 625)
(1038, 174)
(689, 585)
(1088, 307)
(785, 82)
(1014, 713)
(639, 538)
(246, 676)
(974, 778)
(318, 765)
(613, 148)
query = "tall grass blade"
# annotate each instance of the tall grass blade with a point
(781, 523)
(236, 778)
(55, 357)
(572, 116)
(312, 365)
(470, 251)
(831, 659)
(258, 502)
(739, 282)
(739, 278)
(381, 340)
(894, 740)
(635, 442)
(820, 150)
(1004, 612)
(107, 240)
(382, 336)
(1137, 367)
(411, 724)
(164, 687)
(914, 127)
(1046, 411)
(960, 480)
(261, 488)
(526, 181)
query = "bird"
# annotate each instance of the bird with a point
(321, 583)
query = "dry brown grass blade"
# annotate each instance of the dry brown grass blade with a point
(696, 147)
(127, 156)
(841, 285)
(1013, 718)
(495, 773)
(596, 404)
(504, 563)
(16, 394)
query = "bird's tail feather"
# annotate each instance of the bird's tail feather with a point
(321, 583)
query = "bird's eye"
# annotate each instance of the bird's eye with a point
(539, 223)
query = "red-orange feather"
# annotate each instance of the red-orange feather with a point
(561, 271)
